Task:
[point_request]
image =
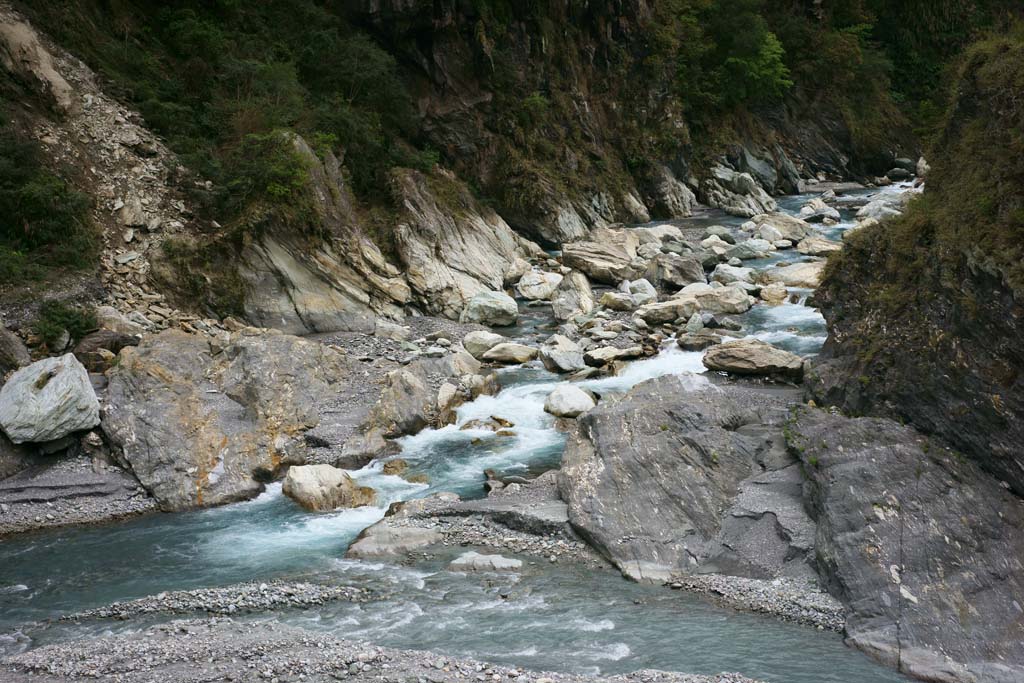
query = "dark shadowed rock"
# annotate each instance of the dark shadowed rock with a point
(925, 549)
(13, 354)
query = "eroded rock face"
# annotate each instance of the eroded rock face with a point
(24, 57)
(322, 488)
(608, 256)
(736, 193)
(924, 548)
(648, 479)
(48, 400)
(200, 428)
(452, 252)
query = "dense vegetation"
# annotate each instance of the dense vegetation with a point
(44, 223)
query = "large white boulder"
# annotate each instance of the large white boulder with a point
(491, 308)
(48, 400)
(538, 285)
(561, 354)
(479, 342)
(325, 487)
(568, 400)
(573, 296)
(753, 357)
(510, 352)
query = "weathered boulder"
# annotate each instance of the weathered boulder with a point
(491, 308)
(600, 357)
(750, 249)
(109, 318)
(608, 256)
(642, 291)
(817, 211)
(384, 539)
(538, 285)
(13, 354)
(322, 488)
(572, 296)
(885, 206)
(806, 275)
(649, 481)
(568, 400)
(818, 246)
(200, 428)
(672, 270)
(510, 352)
(670, 198)
(923, 547)
(723, 300)
(48, 400)
(727, 274)
(781, 226)
(617, 301)
(479, 342)
(96, 349)
(668, 311)
(754, 357)
(561, 354)
(775, 293)
(473, 561)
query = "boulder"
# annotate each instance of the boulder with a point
(670, 197)
(13, 354)
(25, 58)
(818, 246)
(48, 400)
(749, 249)
(201, 428)
(754, 357)
(667, 311)
(775, 293)
(651, 480)
(573, 296)
(479, 342)
(885, 206)
(658, 234)
(538, 285)
(109, 318)
(510, 352)
(322, 488)
(781, 226)
(727, 274)
(673, 271)
(817, 211)
(384, 539)
(96, 349)
(600, 357)
(643, 292)
(804, 275)
(724, 300)
(568, 400)
(698, 341)
(491, 308)
(561, 354)
(473, 561)
(735, 193)
(617, 301)
(516, 270)
(609, 256)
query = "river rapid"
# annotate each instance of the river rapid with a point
(549, 617)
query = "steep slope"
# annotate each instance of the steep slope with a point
(925, 312)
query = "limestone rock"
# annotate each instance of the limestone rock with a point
(670, 197)
(774, 293)
(672, 270)
(781, 226)
(561, 354)
(109, 318)
(818, 246)
(736, 193)
(201, 429)
(754, 357)
(538, 285)
(727, 274)
(475, 562)
(568, 400)
(510, 352)
(617, 301)
(724, 300)
(321, 488)
(479, 342)
(491, 308)
(572, 296)
(817, 211)
(608, 256)
(383, 539)
(600, 357)
(48, 400)
(805, 275)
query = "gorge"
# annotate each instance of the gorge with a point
(460, 340)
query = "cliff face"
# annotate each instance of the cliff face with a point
(925, 312)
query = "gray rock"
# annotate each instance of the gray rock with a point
(510, 352)
(322, 488)
(475, 562)
(48, 400)
(919, 543)
(491, 308)
(568, 400)
(609, 256)
(754, 357)
(673, 271)
(736, 193)
(782, 226)
(13, 354)
(643, 292)
(382, 540)
(818, 246)
(573, 296)
(538, 285)
(561, 354)
(479, 342)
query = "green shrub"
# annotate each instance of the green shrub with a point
(57, 316)
(44, 223)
